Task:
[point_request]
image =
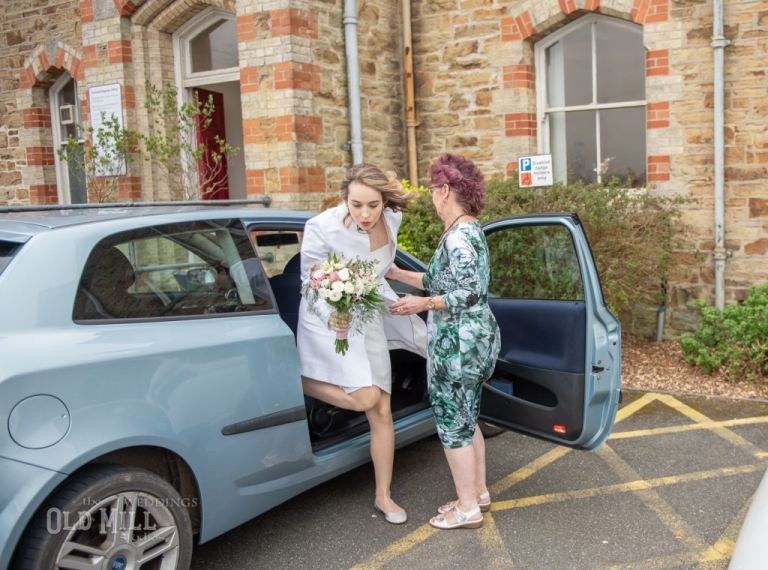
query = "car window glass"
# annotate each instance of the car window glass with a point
(276, 248)
(171, 271)
(7, 249)
(534, 262)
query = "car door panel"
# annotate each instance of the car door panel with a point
(557, 375)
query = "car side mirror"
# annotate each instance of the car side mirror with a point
(201, 276)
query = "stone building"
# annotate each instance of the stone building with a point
(607, 87)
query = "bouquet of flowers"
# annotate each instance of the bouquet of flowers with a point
(350, 287)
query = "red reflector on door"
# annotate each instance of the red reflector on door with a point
(557, 428)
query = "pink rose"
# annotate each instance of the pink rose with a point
(318, 275)
(334, 276)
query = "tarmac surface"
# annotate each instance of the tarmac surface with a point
(668, 491)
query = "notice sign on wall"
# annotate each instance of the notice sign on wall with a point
(535, 170)
(106, 108)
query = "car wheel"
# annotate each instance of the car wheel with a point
(110, 517)
(489, 430)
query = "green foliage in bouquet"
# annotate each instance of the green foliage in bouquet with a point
(733, 341)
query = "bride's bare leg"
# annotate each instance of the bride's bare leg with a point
(383, 451)
(359, 401)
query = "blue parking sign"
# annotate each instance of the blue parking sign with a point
(535, 170)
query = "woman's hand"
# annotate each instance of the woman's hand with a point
(408, 305)
(393, 273)
(339, 323)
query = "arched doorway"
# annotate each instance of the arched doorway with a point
(207, 67)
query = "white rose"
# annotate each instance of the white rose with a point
(334, 296)
(323, 293)
(349, 288)
(337, 286)
(344, 274)
(325, 283)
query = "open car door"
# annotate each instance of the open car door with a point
(558, 375)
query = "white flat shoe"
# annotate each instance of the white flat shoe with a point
(392, 518)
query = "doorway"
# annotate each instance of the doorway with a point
(207, 65)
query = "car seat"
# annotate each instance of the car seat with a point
(287, 290)
(103, 291)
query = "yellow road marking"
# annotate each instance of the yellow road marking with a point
(698, 417)
(495, 551)
(689, 427)
(632, 407)
(666, 514)
(526, 471)
(723, 548)
(637, 485)
(704, 556)
(396, 549)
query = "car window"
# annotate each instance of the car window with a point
(7, 250)
(171, 271)
(276, 248)
(534, 262)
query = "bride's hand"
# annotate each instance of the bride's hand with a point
(339, 323)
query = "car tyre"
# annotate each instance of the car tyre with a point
(489, 430)
(131, 517)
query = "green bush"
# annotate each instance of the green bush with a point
(733, 341)
(633, 234)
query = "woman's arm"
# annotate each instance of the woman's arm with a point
(314, 250)
(463, 265)
(412, 278)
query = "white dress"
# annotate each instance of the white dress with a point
(366, 363)
(375, 338)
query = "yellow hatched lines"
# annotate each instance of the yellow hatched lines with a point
(696, 550)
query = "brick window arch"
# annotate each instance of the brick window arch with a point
(49, 66)
(65, 121)
(591, 100)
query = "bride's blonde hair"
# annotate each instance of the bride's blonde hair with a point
(393, 195)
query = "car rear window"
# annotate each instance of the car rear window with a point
(7, 250)
(171, 271)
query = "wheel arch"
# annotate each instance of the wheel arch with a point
(164, 463)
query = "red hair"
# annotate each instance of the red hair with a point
(463, 177)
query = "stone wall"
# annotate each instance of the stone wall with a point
(475, 81)
(24, 26)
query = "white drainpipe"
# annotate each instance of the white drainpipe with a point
(718, 44)
(353, 80)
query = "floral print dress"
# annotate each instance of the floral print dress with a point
(462, 341)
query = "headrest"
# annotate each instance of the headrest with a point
(108, 267)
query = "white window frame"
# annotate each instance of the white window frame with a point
(543, 113)
(186, 80)
(61, 166)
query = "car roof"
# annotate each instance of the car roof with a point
(30, 221)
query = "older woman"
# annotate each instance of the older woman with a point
(462, 334)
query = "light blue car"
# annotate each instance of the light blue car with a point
(149, 384)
